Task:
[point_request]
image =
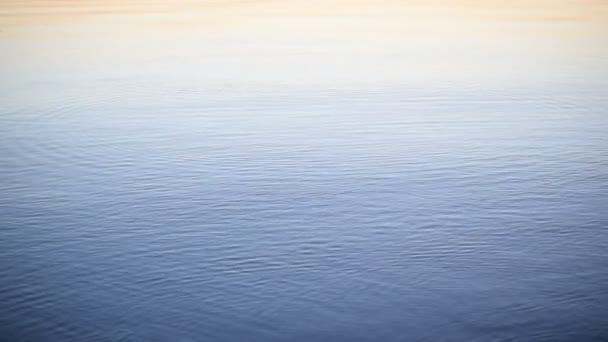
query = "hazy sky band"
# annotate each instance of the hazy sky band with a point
(315, 41)
(541, 10)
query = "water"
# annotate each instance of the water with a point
(303, 171)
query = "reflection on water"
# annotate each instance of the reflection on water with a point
(303, 171)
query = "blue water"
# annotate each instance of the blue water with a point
(362, 217)
(139, 202)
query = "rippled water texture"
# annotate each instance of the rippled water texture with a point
(303, 170)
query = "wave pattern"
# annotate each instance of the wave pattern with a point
(303, 171)
(188, 215)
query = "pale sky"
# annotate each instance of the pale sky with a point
(332, 40)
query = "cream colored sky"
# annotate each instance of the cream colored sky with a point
(27, 11)
(345, 19)
(312, 39)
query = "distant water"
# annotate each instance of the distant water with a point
(167, 178)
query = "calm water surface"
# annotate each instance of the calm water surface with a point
(303, 171)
